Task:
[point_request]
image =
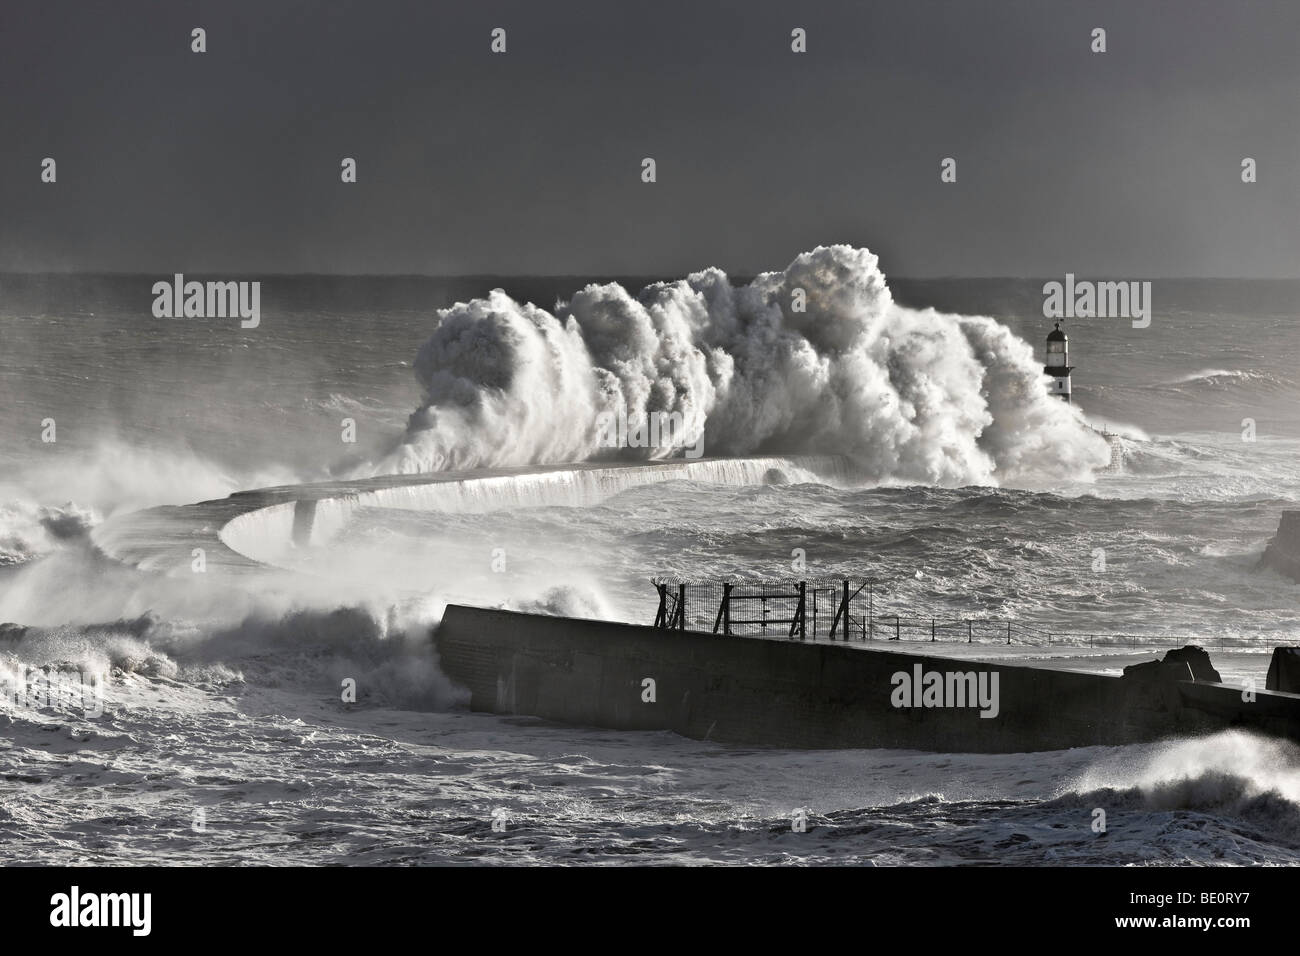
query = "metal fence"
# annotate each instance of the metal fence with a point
(849, 609)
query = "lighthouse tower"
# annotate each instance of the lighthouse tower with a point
(1058, 363)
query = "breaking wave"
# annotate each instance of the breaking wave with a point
(107, 479)
(385, 652)
(1233, 773)
(29, 530)
(815, 359)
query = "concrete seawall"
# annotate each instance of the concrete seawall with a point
(253, 529)
(782, 693)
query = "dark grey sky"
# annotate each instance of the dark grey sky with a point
(1124, 163)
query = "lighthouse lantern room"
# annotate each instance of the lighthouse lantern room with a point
(1058, 363)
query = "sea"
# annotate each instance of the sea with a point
(218, 733)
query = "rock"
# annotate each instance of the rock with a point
(1283, 552)
(1197, 659)
(1182, 663)
(1284, 670)
(1146, 671)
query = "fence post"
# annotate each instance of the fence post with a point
(723, 619)
(898, 628)
(1008, 632)
(681, 606)
(931, 630)
(842, 612)
(800, 613)
(970, 633)
(870, 630)
(845, 600)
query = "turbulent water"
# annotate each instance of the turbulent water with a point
(815, 358)
(223, 737)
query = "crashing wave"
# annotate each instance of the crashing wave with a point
(815, 359)
(28, 531)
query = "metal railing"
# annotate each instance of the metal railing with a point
(846, 609)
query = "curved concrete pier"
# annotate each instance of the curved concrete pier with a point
(253, 529)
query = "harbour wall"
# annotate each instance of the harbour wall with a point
(788, 693)
(254, 529)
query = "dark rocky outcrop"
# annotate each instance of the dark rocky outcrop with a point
(1283, 552)
(1197, 660)
(1284, 670)
(1181, 663)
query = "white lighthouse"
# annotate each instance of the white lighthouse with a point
(1058, 363)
